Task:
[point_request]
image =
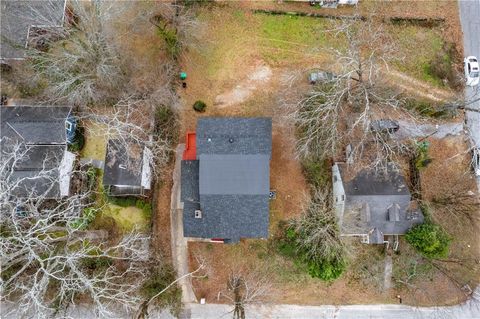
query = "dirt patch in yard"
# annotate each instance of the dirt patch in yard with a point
(260, 75)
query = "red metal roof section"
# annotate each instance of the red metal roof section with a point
(190, 152)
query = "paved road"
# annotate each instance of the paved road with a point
(470, 20)
(468, 310)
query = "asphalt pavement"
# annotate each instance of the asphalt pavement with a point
(468, 310)
(470, 20)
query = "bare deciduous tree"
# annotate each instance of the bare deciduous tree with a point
(456, 199)
(86, 63)
(246, 288)
(132, 124)
(48, 261)
(85, 66)
(340, 112)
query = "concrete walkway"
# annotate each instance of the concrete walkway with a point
(387, 279)
(179, 243)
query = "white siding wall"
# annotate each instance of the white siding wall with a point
(146, 170)
(338, 193)
(65, 170)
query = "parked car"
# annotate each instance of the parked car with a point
(472, 71)
(384, 126)
(321, 76)
(476, 161)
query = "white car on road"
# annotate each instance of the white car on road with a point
(472, 70)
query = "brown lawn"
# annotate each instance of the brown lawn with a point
(234, 44)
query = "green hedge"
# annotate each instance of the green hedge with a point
(429, 239)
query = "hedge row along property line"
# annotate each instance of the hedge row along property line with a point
(309, 14)
(424, 22)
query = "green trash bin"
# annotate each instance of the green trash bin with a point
(183, 76)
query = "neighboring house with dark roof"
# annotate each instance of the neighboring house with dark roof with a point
(127, 170)
(373, 205)
(225, 179)
(42, 132)
(21, 18)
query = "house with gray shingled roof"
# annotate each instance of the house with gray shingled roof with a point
(127, 170)
(372, 205)
(22, 18)
(225, 179)
(42, 133)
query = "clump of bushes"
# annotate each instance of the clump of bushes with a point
(168, 34)
(421, 157)
(92, 174)
(78, 141)
(166, 124)
(87, 217)
(325, 267)
(429, 239)
(96, 264)
(317, 172)
(442, 67)
(427, 109)
(199, 106)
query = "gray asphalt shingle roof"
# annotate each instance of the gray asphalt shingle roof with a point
(16, 18)
(229, 181)
(234, 135)
(35, 124)
(377, 201)
(41, 130)
(30, 170)
(366, 182)
(228, 216)
(123, 167)
(189, 181)
(234, 174)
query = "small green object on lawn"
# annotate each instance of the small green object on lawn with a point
(183, 76)
(199, 106)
